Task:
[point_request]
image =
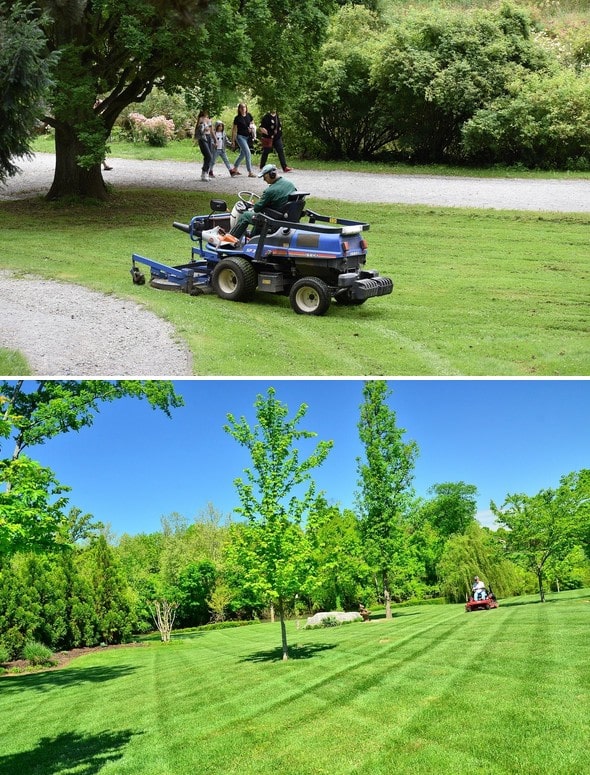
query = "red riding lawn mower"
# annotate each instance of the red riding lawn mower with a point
(481, 600)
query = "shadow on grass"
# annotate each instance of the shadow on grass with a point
(395, 614)
(567, 596)
(70, 751)
(307, 651)
(58, 679)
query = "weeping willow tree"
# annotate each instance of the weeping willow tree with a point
(477, 552)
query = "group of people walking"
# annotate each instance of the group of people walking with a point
(213, 141)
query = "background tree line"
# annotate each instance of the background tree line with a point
(354, 80)
(66, 581)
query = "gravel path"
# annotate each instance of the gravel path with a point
(68, 330)
(496, 193)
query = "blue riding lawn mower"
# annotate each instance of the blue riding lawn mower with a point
(312, 261)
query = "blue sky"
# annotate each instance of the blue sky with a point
(135, 465)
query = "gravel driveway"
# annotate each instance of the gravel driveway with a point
(68, 330)
(496, 193)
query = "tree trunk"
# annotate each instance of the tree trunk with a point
(283, 631)
(540, 580)
(386, 596)
(71, 180)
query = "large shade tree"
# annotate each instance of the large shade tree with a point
(112, 53)
(546, 526)
(276, 496)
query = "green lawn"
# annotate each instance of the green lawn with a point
(476, 292)
(13, 363)
(435, 690)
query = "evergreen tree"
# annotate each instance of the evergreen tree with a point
(112, 606)
(24, 82)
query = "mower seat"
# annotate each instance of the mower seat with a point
(292, 211)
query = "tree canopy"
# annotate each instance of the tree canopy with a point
(32, 501)
(548, 525)
(25, 67)
(113, 53)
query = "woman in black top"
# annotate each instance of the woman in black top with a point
(240, 135)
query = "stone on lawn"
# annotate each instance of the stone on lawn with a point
(340, 616)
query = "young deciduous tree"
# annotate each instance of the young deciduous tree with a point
(276, 495)
(164, 614)
(342, 577)
(385, 486)
(547, 525)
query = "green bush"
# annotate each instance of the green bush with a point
(544, 122)
(4, 654)
(13, 640)
(37, 653)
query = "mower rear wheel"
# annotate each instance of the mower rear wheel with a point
(310, 296)
(234, 279)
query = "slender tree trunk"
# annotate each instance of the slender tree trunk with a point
(540, 580)
(272, 612)
(283, 630)
(387, 596)
(69, 179)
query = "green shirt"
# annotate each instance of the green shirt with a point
(276, 195)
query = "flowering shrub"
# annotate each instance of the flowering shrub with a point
(156, 131)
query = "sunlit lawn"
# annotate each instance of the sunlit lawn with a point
(435, 690)
(476, 292)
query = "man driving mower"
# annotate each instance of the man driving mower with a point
(275, 197)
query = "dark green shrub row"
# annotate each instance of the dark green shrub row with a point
(479, 86)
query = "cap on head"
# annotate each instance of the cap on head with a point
(266, 169)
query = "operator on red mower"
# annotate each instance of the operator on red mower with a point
(478, 588)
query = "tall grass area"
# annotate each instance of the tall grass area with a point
(476, 292)
(435, 690)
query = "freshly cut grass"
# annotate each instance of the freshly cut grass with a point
(476, 292)
(435, 690)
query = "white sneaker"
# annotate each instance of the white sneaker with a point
(205, 178)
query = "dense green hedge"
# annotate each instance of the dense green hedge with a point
(444, 85)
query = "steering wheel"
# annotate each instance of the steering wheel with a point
(248, 197)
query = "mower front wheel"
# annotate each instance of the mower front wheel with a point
(310, 296)
(234, 279)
